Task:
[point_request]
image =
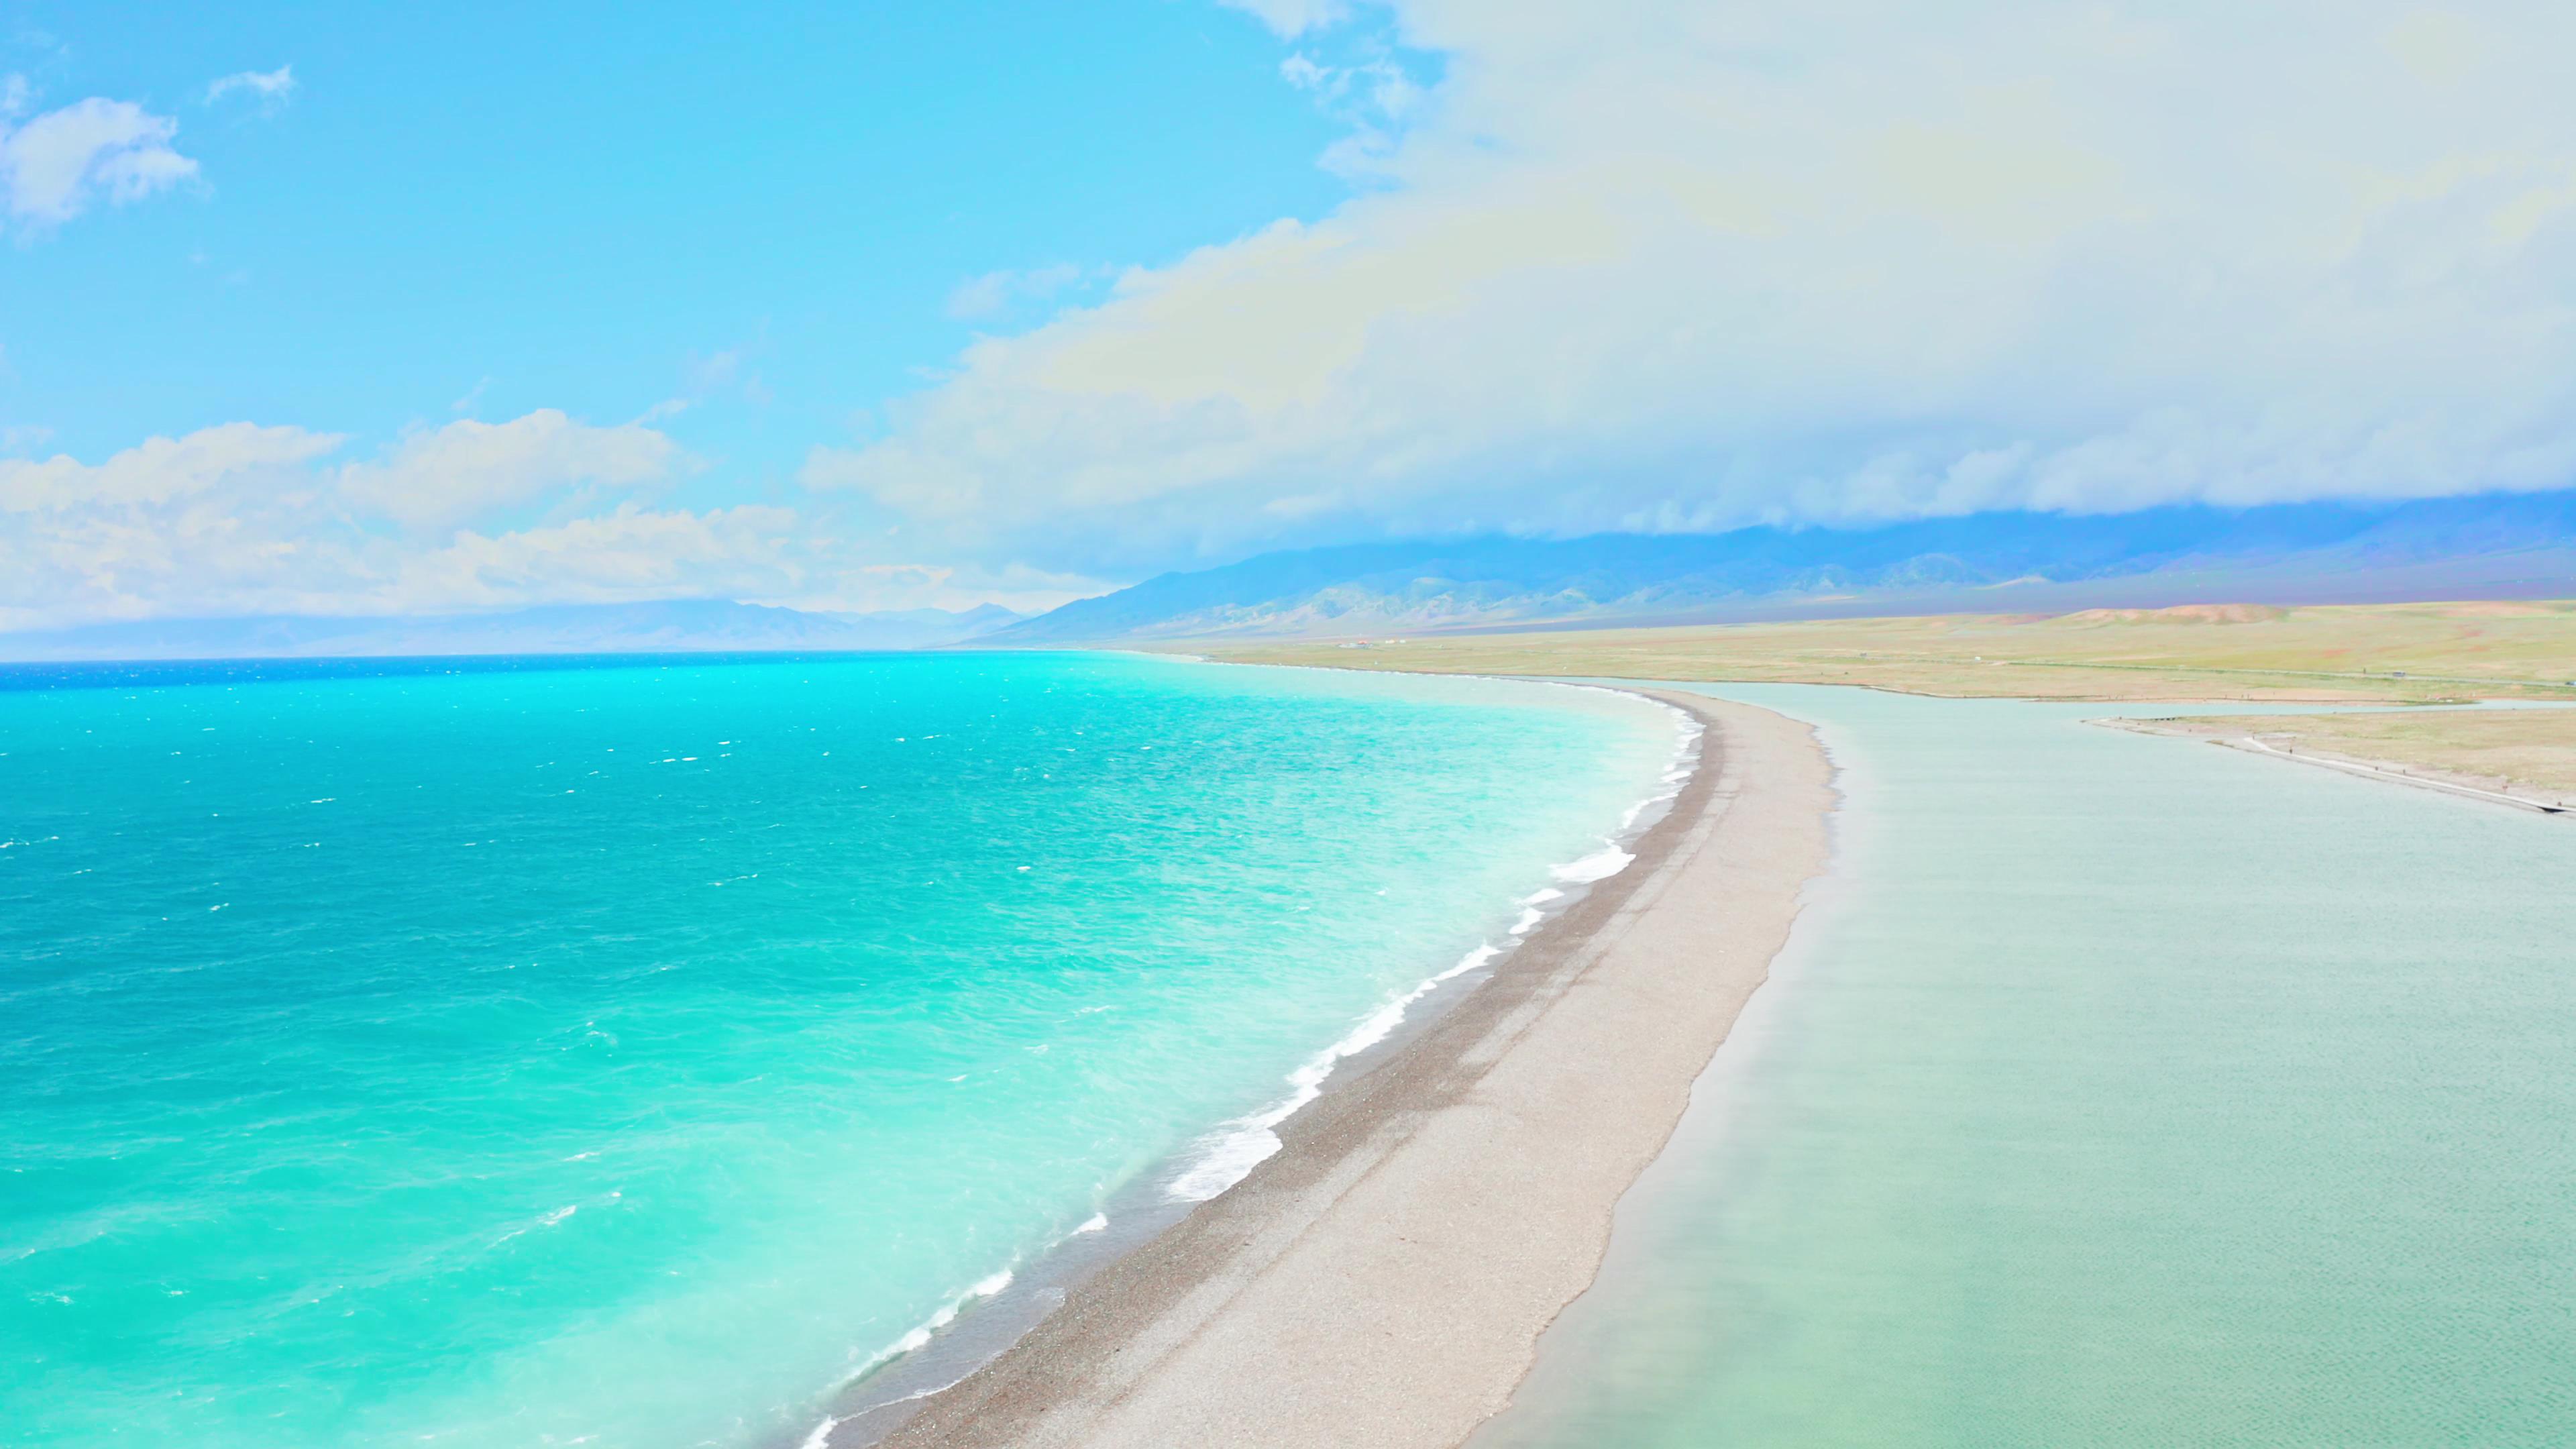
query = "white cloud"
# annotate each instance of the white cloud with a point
(1293, 18)
(270, 87)
(1373, 98)
(707, 376)
(243, 518)
(757, 552)
(235, 512)
(61, 163)
(1375, 87)
(993, 293)
(630, 552)
(439, 476)
(1687, 265)
(160, 471)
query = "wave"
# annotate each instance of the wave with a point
(1230, 1153)
(1600, 865)
(989, 1286)
(1227, 1155)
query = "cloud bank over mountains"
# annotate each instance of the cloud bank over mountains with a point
(1658, 265)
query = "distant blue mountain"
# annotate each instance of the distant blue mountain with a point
(2500, 545)
(664, 626)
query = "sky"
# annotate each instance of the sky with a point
(364, 309)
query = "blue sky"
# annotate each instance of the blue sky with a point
(751, 234)
(585, 204)
(462, 307)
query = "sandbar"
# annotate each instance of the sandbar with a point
(1382, 1280)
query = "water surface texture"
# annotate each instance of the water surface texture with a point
(524, 1054)
(2116, 1091)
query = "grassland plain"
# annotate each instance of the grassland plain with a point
(2433, 653)
(2425, 654)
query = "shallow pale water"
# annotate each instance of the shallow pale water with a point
(2115, 1091)
(627, 1055)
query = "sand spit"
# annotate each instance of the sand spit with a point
(2314, 740)
(1382, 1279)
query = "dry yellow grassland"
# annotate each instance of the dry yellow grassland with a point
(2393, 653)
(2359, 653)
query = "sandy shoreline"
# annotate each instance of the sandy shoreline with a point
(2266, 735)
(1383, 1278)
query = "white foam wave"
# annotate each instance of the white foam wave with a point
(1629, 820)
(821, 1438)
(1097, 1222)
(1228, 1155)
(1225, 1161)
(1470, 962)
(920, 1336)
(1601, 864)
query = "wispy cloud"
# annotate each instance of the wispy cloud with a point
(62, 162)
(271, 88)
(1292, 18)
(444, 476)
(1372, 87)
(994, 293)
(1373, 96)
(707, 375)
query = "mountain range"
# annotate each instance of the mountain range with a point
(2502, 545)
(661, 627)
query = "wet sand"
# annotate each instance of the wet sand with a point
(1383, 1278)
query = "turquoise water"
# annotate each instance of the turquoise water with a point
(530, 1054)
(2115, 1091)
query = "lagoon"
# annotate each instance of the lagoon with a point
(2114, 1090)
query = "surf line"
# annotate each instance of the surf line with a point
(1228, 1154)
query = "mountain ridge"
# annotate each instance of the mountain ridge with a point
(657, 626)
(2492, 544)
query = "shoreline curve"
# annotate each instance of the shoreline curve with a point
(1382, 1279)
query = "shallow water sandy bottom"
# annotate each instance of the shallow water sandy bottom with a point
(2117, 1091)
